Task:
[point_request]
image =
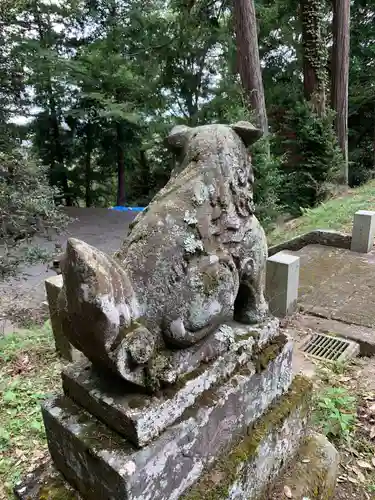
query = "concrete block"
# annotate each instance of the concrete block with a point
(53, 287)
(101, 464)
(363, 233)
(282, 282)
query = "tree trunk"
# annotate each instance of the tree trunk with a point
(340, 76)
(57, 156)
(248, 60)
(314, 58)
(120, 167)
(88, 194)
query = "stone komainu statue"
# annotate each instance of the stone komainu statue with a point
(195, 256)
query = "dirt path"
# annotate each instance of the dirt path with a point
(99, 227)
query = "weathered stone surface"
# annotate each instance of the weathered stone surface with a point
(282, 283)
(196, 255)
(140, 417)
(313, 473)
(53, 287)
(246, 471)
(363, 231)
(317, 237)
(100, 464)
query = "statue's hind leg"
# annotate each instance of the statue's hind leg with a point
(250, 305)
(213, 288)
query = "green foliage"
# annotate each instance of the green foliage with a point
(106, 87)
(268, 182)
(335, 412)
(313, 159)
(27, 208)
(29, 368)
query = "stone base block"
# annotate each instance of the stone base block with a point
(102, 465)
(140, 417)
(312, 474)
(255, 461)
(244, 472)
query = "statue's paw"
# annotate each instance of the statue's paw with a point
(141, 344)
(253, 316)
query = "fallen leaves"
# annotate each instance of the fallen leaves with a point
(364, 465)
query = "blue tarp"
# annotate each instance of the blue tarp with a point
(128, 209)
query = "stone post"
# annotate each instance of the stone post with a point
(63, 346)
(363, 231)
(282, 283)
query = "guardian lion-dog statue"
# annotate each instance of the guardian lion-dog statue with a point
(195, 256)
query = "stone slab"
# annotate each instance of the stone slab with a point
(245, 472)
(140, 417)
(312, 474)
(337, 284)
(101, 464)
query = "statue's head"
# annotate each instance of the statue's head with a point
(218, 144)
(182, 136)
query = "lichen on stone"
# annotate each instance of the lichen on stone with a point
(191, 244)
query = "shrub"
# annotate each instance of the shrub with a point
(27, 208)
(312, 158)
(268, 182)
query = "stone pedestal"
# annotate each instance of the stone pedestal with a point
(53, 287)
(224, 431)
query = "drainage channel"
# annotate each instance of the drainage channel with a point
(330, 348)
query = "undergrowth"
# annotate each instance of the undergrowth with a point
(29, 370)
(335, 214)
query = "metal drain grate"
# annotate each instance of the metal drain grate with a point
(330, 348)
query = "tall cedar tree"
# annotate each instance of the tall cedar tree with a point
(340, 76)
(249, 61)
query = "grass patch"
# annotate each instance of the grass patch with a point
(344, 410)
(29, 369)
(336, 214)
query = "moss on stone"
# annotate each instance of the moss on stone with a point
(93, 433)
(215, 483)
(210, 283)
(57, 492)
(269, 353)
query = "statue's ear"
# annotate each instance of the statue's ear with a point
(248, 133)
(178, 138)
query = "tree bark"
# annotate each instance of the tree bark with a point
(120, 167)
(340, 76)
(88, 194)
(249, 61)
(314, 60)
